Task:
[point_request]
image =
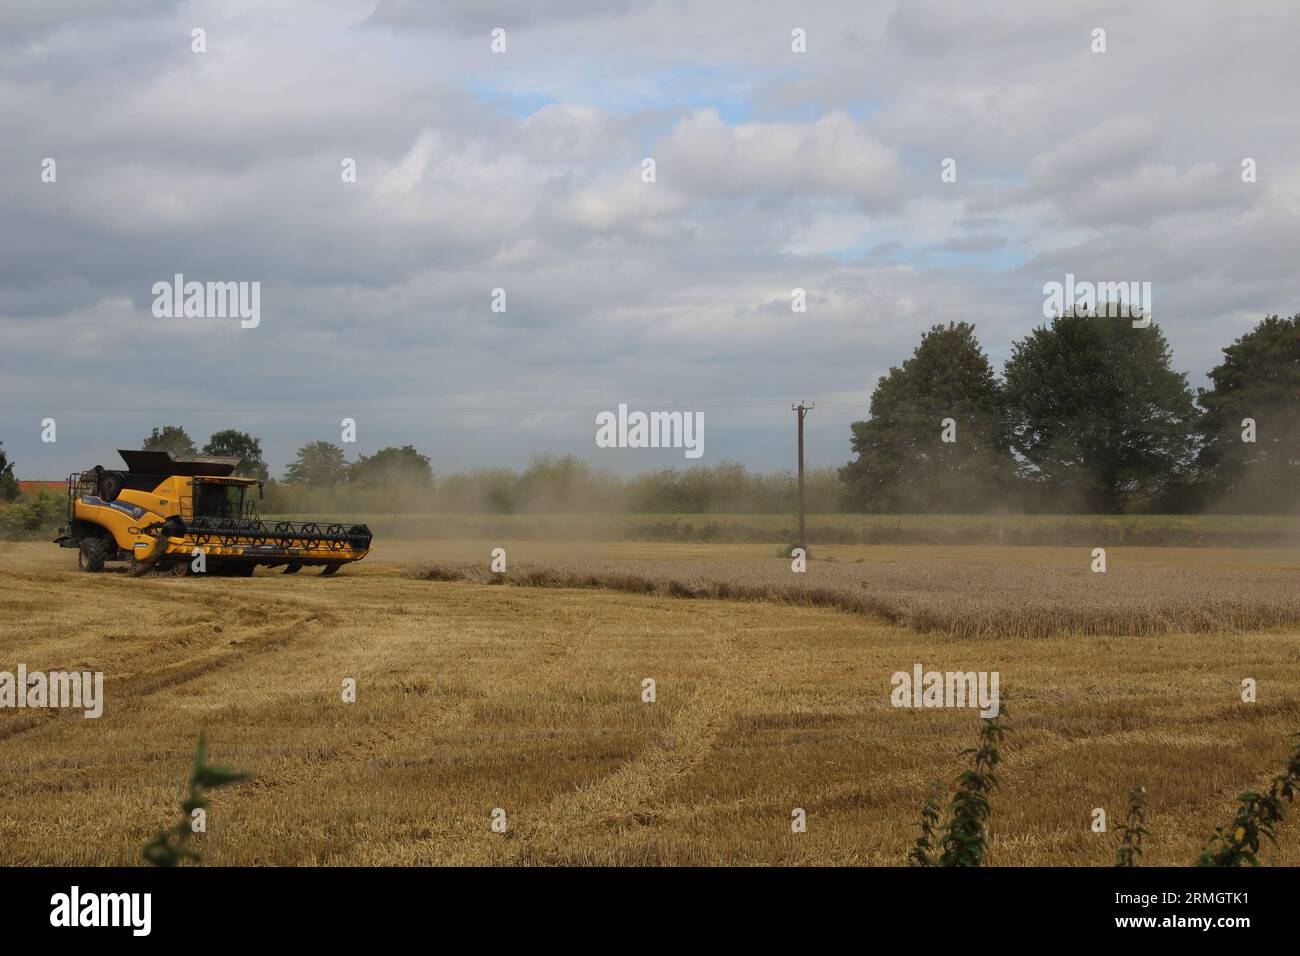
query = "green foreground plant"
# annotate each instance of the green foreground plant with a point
(1133, 829)
(171, 846)
(1258, 815)
(964, 838)
(920, 854)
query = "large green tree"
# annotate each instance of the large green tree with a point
(1258, 379)
(230, 443)
(392, 468)
(904, 462)
(1101, 421)
(320, 464)
(172, 439)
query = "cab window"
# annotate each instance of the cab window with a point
(218, 501)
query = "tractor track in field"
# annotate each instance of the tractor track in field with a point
(629, 796)
(423, 725)
(289, 620)
(128, 692)
(269, 638)
(125, 685)
(553, 658)
(624, 798)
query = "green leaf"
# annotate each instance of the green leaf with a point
(215, 776)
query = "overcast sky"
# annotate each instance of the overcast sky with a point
(522, 170)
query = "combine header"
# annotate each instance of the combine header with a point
(160, 513)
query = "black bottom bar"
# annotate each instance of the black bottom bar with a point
(971, 908)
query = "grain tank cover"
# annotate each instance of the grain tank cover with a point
(162, 463)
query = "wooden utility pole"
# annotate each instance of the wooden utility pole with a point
(802, 410)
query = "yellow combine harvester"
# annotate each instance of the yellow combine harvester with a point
(161, 514)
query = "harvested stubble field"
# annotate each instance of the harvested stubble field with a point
(473, 696)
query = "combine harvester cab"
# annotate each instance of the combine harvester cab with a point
(159, 512)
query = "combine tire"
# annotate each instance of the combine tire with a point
(93, 554)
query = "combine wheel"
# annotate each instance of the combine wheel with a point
(93, 554)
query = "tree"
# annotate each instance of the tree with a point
(392, 468)
(236, 444)
(904, 463)
(1100, 418)
(1258, 379)
(9, 489)
(172, 439)
(320, 463)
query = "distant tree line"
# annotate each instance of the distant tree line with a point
(320, 479)
(1088, 417)
(549, 485)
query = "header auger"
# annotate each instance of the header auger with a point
(161, 513)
